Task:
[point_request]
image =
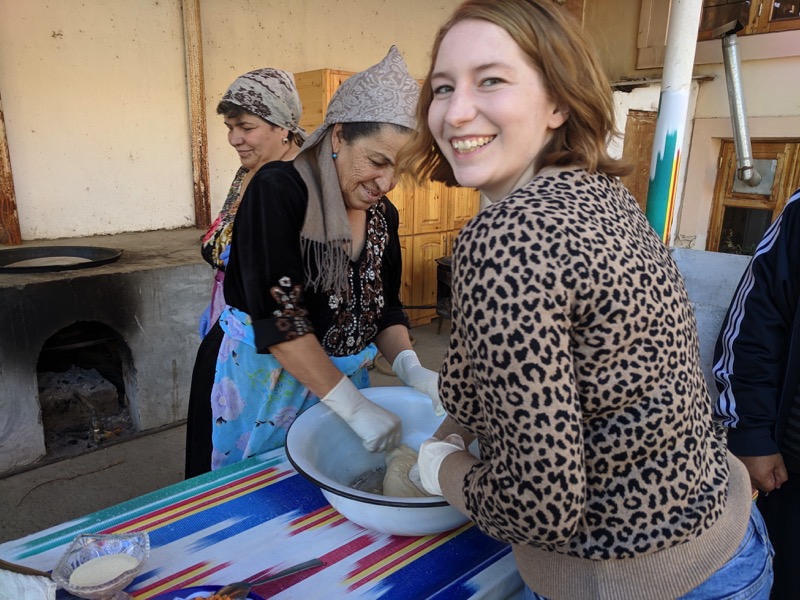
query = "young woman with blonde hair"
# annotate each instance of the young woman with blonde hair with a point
(573, 356)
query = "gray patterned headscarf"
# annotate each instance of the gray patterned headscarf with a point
(270, 94)
(384, 93)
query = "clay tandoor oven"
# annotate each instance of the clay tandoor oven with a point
(99, 344)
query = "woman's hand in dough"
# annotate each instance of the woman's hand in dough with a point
(432, 453)
(378, 428)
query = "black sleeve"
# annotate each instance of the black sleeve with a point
(265, 259)
(752, 347)
(392, 272)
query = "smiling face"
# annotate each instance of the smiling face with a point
(365, 166)
(255, 140)
(490, 114)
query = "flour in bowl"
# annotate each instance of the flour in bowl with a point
(102, 569)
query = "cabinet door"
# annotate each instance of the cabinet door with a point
(336, 78)
(407, 255)
(450, 240)
(403, 199)
(315, 89)
(430, 208)
(311, 87)
(426, 248)
(463, 204)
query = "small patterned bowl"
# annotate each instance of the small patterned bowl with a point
(87, 547)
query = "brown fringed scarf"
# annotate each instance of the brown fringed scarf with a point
(325, 240)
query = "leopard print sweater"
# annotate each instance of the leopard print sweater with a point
(574, 360)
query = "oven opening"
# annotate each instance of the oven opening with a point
(83, 373)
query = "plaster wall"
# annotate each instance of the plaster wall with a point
(613, 26)
(95, 101)
(770, 89)
(241, 35)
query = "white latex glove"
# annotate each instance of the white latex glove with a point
(409, 370)
(378, 428)
(432, 453)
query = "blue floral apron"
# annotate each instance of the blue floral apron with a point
(254, 399)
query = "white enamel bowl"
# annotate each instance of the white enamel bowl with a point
(322, 447)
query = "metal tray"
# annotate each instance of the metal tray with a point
(45, 259)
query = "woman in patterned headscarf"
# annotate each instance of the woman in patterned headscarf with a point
(313, 280)
(262, 113)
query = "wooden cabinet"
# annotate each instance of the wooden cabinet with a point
(462, 206)
(315, 89)
(431, 209)
(425, 249)
(430, 216)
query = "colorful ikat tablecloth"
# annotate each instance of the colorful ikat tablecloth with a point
(258, 517)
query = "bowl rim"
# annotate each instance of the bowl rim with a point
(326, 483)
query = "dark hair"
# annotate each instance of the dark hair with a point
(230, 110)
(350, 132)
(555, 46)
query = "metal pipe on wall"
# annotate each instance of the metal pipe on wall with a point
(9, 219)
(197, 111)
(745, 170)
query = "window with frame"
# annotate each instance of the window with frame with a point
(740, 215)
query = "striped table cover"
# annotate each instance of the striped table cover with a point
(259, 516)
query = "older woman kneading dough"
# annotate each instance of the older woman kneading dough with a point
(312, 281)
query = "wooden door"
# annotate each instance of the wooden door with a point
(640, 130)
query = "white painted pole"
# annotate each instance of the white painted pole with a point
(684, 22)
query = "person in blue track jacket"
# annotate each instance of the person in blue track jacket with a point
(757, 372)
